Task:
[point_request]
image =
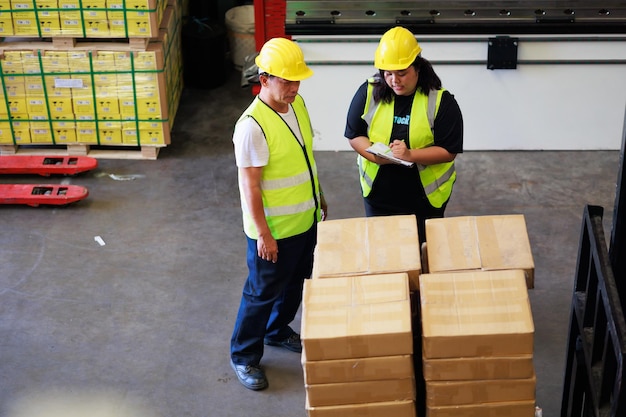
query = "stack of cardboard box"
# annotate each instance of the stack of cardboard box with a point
(357, 347)
(479, 243)
(81, 18)
(368, 245)
(469, 318)
(477, 333)
(80, 92)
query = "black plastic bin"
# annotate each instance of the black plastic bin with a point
(205, 54)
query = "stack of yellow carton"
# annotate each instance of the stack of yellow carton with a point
(357, 347)
(92, 93)
(81, 18)
(477, 333)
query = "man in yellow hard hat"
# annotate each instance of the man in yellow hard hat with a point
(405, 108)
(282, 202)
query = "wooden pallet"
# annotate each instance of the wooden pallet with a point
(147, 152)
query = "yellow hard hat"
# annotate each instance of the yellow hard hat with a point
(283, 58)
(396, 50)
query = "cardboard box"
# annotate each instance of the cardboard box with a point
(356, 317)
(357, 369)
(479, 243)
(21, 136)
(446, 393)
(498, 409)
(151, 137)
(63, 121)
(360, 392)
(60, 106)
(372, 245)
(475, 314)
(86, 136)
(110, 136)
(378, 409)
(6, 24)
(65, 135)
(454, 369)
(41, 136)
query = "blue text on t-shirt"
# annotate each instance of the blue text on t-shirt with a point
(402, 120)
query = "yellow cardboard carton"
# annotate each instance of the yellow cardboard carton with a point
(41, 136)
(65, 135)
(110, 136)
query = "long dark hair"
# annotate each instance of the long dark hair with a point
(426, 81)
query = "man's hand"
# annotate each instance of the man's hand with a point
(324, 207)
(267, 248)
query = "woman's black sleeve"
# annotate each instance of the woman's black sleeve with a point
(449, 124)
(355, 125)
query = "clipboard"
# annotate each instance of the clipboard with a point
(384, 151)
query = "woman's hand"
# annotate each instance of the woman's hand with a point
(399, 150)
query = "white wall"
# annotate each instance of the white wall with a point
(534, 107)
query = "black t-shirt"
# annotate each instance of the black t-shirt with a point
(396, 188)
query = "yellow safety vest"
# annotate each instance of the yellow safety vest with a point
(289, 184)
(436, 179)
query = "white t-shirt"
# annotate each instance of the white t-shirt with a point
(251, 148)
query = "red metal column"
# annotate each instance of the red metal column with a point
(269, 20)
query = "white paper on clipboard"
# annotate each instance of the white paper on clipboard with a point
(384, 151)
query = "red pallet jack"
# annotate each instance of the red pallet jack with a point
(35, 195)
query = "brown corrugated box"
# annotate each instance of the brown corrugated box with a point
(497, 409)
(360, 392)
(357, 369)
(479, 243)
(452, 369)
(368, 245)
(475, 314)
(404, 408)
(446, 393)
(356, 317)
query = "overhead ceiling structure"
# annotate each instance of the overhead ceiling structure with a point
(351, 17)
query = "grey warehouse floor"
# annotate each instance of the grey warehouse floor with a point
(140, 326)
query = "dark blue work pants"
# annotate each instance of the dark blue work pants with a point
(271, 295)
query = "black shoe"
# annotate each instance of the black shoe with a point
(291, 343)
(250, 376)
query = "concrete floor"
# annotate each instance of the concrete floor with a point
(141, 325)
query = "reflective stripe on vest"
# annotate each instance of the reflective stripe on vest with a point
(436, 179)
(274, 184)
(439, 181)
(289, 185)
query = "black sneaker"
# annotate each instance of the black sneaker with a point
(291, 343)
(250, 376)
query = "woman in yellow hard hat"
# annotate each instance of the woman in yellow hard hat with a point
(405, 108)
(281, 202)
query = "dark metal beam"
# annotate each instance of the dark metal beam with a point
(352, 17)
(617, 250)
